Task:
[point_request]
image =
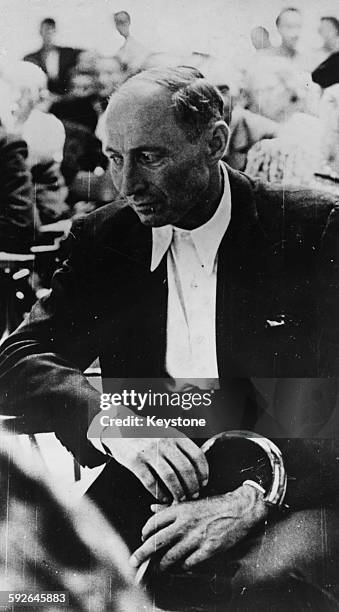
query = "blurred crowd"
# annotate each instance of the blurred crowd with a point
(282, 107)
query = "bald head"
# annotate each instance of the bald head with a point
(194, 101)
(164, 149)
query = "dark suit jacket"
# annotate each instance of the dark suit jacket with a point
(277, 289)
(17, 227)
(67, 60)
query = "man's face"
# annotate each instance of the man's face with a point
(259, 38)
(47, 33)
(162, 175)
(327, 31)
(122, 24)
(82, 86)
(290, 28)
(270, 96)
(109, 76)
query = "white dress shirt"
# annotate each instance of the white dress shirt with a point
(192, 261)
(52, 63)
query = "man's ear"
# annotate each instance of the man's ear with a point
(218, 140)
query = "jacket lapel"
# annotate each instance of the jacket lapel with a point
(249, 265)
(145, 301)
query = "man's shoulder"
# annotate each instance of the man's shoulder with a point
(293, 201)
(273, 198)
(298, 215)
(282, 208)
(110, 236)
(33, 56)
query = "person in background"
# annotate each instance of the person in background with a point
(82, 83)
(79, 106)
(17, 227)
(329, 32)
(85, 169)
(85, 166)
(327, 72)
(294, 151)
(87, 60)
(276, 89)
(109, 77)
(55, 61)
(45, 138)
(132, 54)
(292, 157)
(260, 38)
(289, 25)
(271, 93)
(246, 127)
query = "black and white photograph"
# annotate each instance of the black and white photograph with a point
(169, 305)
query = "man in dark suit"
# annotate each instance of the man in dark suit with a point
(205, 274)
(56, 61)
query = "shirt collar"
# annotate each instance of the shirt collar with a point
(206, 238)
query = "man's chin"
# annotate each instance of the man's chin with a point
(150, 219)
(152, 222)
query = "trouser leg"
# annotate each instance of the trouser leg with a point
(123, 500)
(294, 562)
(291, 563)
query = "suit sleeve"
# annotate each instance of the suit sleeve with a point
(312, 467)
(42, 363)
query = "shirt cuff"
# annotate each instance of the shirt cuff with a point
(94, 433)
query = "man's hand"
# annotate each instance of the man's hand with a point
(193, 532)
(169, 466)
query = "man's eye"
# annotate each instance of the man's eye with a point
(116, 160)
(148, 158)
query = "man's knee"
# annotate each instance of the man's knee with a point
(303, 545)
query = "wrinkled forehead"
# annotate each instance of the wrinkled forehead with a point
(138, 114)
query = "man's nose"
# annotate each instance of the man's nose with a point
(132, 180)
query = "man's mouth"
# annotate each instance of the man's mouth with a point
(144, 206)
